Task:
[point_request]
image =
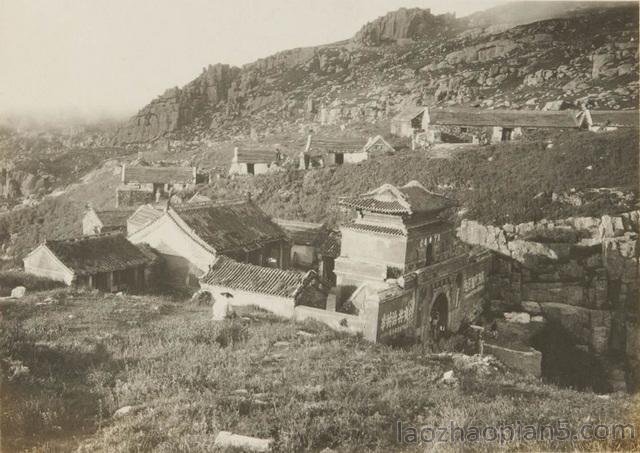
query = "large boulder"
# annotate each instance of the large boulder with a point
(18, 292)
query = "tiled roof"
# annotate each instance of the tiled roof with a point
(408, 199)
(228, 273)
(409, 113)
(143, 215)
(113, 219)
(331, 246)
(164, 175)
(303, 233)
(344, 145)
(101, 253)
(230, 227)
(256, 155)
(505, 118)
(376, 229)
(617, 118)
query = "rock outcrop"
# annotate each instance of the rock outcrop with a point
(414, 23)
(408, 56)
(179, 107)
(581, 274)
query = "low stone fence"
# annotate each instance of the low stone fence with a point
(338, 321)
(527, 362)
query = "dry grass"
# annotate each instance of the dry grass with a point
(68, 365)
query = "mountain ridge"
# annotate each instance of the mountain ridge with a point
(408, 56)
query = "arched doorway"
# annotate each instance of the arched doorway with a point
(439, 316)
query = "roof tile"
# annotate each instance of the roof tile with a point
(257, 279)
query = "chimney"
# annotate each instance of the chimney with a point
(235, 154)
(123, 167)
(308, 147)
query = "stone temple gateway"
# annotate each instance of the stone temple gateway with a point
(401, 268)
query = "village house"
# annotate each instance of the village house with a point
(190, 237)
(255, 161)
(495, 126)
(108, 262)
(459, 125)
(306, 239)
(321, 152)
(109, 221)
(276, 290)
(147, 184)
(611, 120)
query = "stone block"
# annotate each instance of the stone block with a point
(531, 307)
(554, 292)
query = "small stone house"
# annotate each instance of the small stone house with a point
(108, 262)
(495, 126)
(276, 290)
(110, 221)
(611, 120)
(409, 121)
(255, 161)
(321, 152)
(147, 184)
(306, 239)
(191, 236)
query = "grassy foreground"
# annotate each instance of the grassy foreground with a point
(69, 360)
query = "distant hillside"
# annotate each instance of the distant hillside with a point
(494, 184)
(581, 52)
(525, 12)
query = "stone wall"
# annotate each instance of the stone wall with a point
(579, 273)
(527, 362)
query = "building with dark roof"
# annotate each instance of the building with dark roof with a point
(276, 290)
(254, 161)
(142, 184)
(108, 262)
(494, 126)
(191, 236)
(433, 125)
(109, 221)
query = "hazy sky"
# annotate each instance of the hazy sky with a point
(114, 56)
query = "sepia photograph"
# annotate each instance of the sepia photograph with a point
(319, 226)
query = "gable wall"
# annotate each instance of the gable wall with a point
(44, 264)
(91, 224)
(179, 250)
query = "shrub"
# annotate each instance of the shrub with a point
(11, 279)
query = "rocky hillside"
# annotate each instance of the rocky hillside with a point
(580, 54)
